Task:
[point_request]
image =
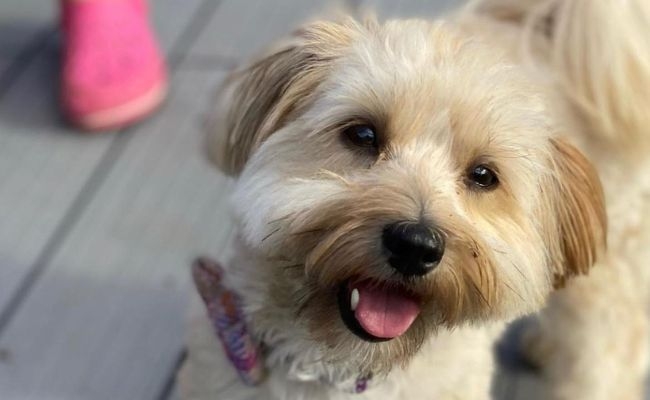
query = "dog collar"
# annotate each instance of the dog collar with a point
(225, 311)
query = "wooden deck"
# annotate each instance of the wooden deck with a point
(97, 230)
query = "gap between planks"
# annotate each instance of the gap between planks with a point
(180, 49)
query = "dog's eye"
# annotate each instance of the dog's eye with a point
(483, 177)
(361, 135)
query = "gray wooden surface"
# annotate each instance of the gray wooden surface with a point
(97, 231)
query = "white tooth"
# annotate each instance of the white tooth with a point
(354, 299)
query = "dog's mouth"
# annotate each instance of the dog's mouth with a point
(375, 311)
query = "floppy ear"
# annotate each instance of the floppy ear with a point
(578, 207)
(260, 99)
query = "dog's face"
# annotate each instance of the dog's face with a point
(399, 178)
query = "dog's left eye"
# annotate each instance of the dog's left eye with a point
(483, 177)
(361, 135)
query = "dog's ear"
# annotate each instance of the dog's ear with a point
(260, 99)
(577, 206)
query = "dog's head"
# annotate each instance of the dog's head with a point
(398, 178)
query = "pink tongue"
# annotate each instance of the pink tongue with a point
(384, 313)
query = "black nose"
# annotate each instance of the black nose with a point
(414, 248)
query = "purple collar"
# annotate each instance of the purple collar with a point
(224, 308)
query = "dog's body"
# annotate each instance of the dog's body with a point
(350, 129)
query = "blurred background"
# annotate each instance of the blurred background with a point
(97, 231)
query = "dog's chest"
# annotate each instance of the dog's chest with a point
(439, 371)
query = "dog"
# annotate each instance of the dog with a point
(405, 189)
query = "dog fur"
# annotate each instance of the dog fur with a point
(552, 94)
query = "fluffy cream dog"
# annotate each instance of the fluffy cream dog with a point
(404, 189)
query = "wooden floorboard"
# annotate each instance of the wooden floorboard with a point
(21, 23)
(175, 21)
(106, 320)
(46, 169)
(242, 28)
(174, 394)
(37, 184)
(43, 167)
(409, 8)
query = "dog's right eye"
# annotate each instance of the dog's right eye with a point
(361, 135)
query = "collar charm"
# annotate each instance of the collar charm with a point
(361, 385)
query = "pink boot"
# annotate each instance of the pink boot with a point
(113, 73)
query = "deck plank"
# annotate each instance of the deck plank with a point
(21, 22)
(174, 394)
(44, 165)
(106, 320)
(45, 169)
(409, 8)
(242, 28)
(172, 18)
